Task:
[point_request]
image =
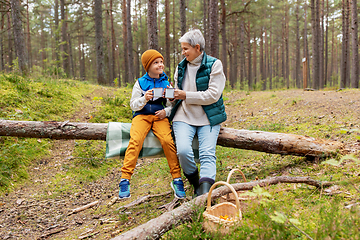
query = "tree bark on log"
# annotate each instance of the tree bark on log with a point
(156, 227)
(269, 142)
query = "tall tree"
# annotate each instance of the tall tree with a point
(152, 26)
(19, 37)
(28, 34)
(99, 42)
(10, 40)
(321, 44)
(297, 60)
(242, 51)
(182, 17)
(355, 46)
(206, 25)
(2, 17)
(345, 44)
(167, 36)
(113, 40)
(287, 63)
(56, 32)
(130, 42)
(125, 42)
(213, 27)
(315, 42)
(64, 44)
(223, 36)
(306, 48)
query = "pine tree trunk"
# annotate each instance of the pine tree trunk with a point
(206, 25)
(321, 44)
(287, 64)
(113, 42)
(261, 59)
(125, 42)
(99, 42)
(326, 74)
(56, 33)
(271, 56)
(182, 17)
(355, 48)
(64, 45)
(2, 16)
(30, 62)
(250, 79)
(167, 36)
(213, 25)
(242, 52)
(71, 57)
(19, 37)
(315, 43)
(10, 42)
(254, 61)
(297, 60)
(345, 44)
(109, 48)
(130, 43)
(152, 25)
(223, 36)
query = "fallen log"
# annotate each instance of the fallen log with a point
(157, 227)
(269, 142)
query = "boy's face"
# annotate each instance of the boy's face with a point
(156, 68)
(190, 52)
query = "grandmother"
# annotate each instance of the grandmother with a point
(198, 110)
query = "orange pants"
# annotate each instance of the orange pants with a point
(140, 126)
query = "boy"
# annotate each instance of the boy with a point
(149, 112)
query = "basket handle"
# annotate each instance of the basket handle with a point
(232, 171)
(221, 183)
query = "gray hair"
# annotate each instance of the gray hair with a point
(194, 37)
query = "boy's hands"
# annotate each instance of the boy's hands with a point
(160, 114)
(149, 95)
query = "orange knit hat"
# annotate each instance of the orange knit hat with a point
(149, 56)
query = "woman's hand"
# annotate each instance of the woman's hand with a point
(160, 114)
(179, 94)
(149, 95)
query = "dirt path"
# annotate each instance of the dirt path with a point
(24, 216)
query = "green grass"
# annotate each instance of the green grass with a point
(32, 100)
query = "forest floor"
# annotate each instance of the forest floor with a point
(26, 215)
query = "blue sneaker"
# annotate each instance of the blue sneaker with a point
(178, 186)
(124, 191)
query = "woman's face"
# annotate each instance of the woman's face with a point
(190, 52)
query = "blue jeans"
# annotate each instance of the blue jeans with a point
(207, 135)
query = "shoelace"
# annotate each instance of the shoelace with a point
(124, 186)
(179, 185)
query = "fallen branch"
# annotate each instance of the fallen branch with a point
(82, 208)
(269, 142)
(53, 231)
(171, 205)
(142, 199)
(156, 227)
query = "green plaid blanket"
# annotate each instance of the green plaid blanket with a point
(118, 137)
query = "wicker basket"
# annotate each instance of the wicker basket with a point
(240, 195)
(212, 221)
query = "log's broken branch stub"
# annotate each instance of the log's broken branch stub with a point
(269, 142)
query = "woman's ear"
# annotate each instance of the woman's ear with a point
(197, 47)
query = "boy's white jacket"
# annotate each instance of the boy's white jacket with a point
(138, 100)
